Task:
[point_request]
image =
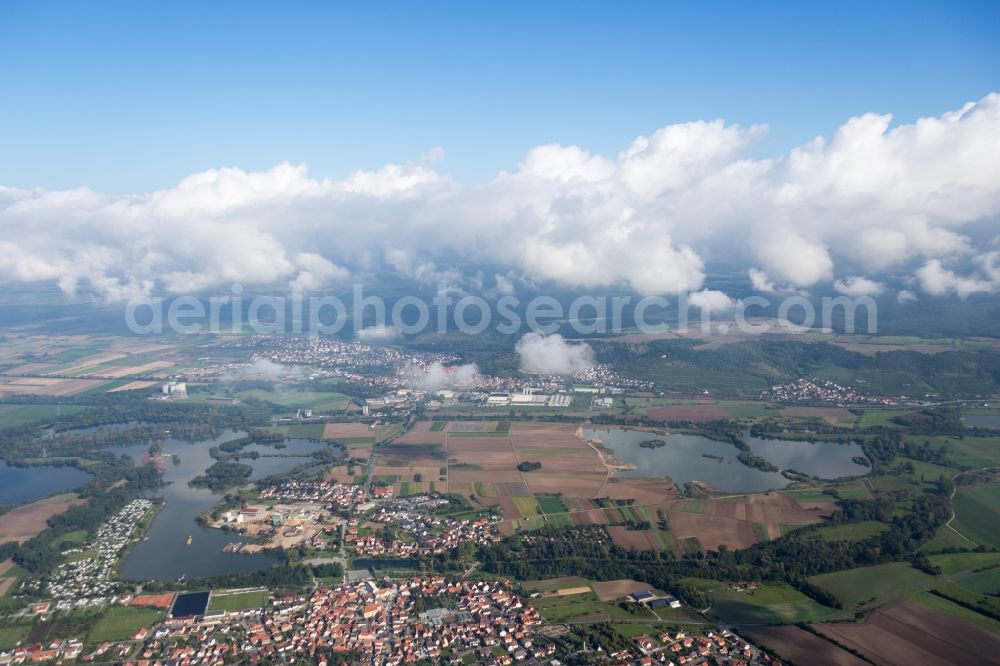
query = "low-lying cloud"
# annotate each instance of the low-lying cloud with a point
(380, 333)
(439, 376)
(553, 354)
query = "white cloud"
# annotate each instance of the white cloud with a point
(316, 272)
(760, 281)
(872, 197)
(938, 280)
(856, 285)
(553, 355)
(905, 296)
(379, 333)
(793, 259)
(439, 376)
(711, 301)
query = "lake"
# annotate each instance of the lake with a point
(26, 484)
(683, 459)
(982, 420)
(166, 554)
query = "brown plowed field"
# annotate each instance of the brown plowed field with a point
(591, 517)
(48, 386)
(712, 531)
(626, 538)
(731, 521)
(495, 477)
(643, 492)
(610, 590)
(346, 431)
(801, 647)
(421, 434)
(413, 454)
(27, 521)
(906, 633)
(571, 485)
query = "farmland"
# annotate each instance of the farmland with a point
(799, 646)
(26, 521)
(475, 458)
(906, 632)
(14, 415)
(857, 586)
(768, 604)
(977, 514)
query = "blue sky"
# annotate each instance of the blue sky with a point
(131, 97)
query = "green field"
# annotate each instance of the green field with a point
(122, 622)
(321, 401)
(977, 514)
(856, 586)
(527, 506)
(945, 606)
(955, 562)
(970, 451)
(15, 415)
(579, 606)
(550, 504)
(852, 490)
(226, 601)
(409, 488)
(808, 495)
(307, 430)
(13, 634)
(880, 417)
(985, 582)
(945, 538)
(771, 603)
(560, 609)
(69, 540)
(739, 409)
(559, 520)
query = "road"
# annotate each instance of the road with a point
(369, 474)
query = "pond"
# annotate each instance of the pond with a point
(165, 554)
(695, 458)
(982, 421)
(274, 460)
(27, 484)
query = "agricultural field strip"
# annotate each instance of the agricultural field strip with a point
(916, 586)
(654, 505)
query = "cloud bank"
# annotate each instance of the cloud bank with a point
(871, 198)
